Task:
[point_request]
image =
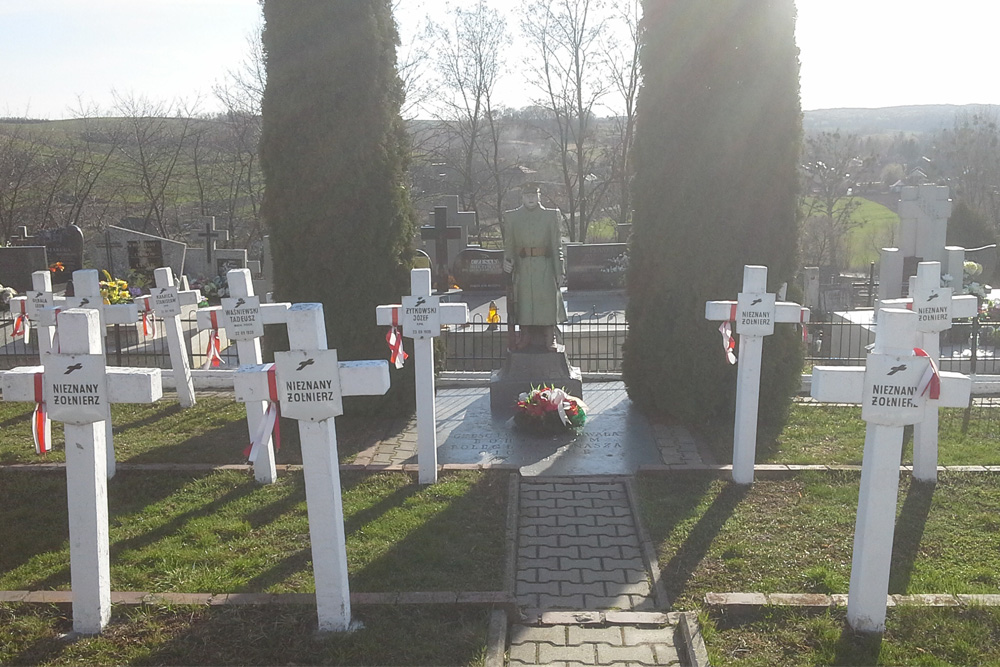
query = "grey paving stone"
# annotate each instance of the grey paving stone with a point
(640, 654)
(559, 575)
(609, 602)
(560, 530)
(535, 541)
(648, 635)
(549, 587)
(571, 540)
(579, 634)
(569, 588)
(607, 576)
(584, 654)
(551, 634)
(559, 602)
(527, 563)
(600, 552)
(577, 503)
(561, 552)
(537, 521)
(528, 576)
(616, 541)
(526, 653)
(581, 563)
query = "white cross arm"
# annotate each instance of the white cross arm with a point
(784, 311)
(125, 385)
(845, 384)
(270, 313)
(118, 313)
(451, 313)
(964, 305)
(357, 378)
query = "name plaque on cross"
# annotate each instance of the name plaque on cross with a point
(37, 301)
(76, 387)
(166, 301)
(755, 313)
(892, 394)
(309, 384)
(421, 316)
(242, 317)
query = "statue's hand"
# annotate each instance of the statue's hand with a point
(508, 266)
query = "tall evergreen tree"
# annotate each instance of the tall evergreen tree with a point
(334, 154)
(717, 146)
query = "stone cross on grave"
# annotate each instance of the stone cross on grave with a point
(87, 290)
(440, 233)
(77, 388)
(308, 382)
(894, 390)
(923, 222)
(211, 235)
(936, 307)
(421, 316)
(243, 317)
(755, 313)
(165, 301)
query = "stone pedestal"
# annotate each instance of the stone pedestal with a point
(523, 370)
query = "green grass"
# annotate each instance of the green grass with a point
(223, 532)
(214, 430)
(245, 635)
(796, 535)
(875, 229)
(914, 636)
(835, 435)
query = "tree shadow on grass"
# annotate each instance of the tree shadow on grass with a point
(909, 532)
(678, 571)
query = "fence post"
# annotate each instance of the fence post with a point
(973, 361)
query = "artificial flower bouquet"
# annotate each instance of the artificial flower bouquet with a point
(548, 409)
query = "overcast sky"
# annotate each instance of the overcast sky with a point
(854, 53)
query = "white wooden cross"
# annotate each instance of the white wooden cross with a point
(165, 301)
(936, 307)
(87, 294)
(893, 390)
(77, 388)
(421, 315)
(308, 381)
(243, 317)
(755, 313)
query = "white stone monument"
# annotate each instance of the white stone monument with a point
(78, 389)
(923, 222)
(893, 390)
(755, 313)
(422, 315)
(243, 317)
(165, 301)
(309, 382)
(936, 307)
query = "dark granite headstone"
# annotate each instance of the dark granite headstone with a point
(17, 263)
(479, 270)
(596, 266)
(62, 244)
(145, 256)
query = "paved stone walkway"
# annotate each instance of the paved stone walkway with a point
(579, 550)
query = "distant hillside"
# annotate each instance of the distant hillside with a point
(888, 120)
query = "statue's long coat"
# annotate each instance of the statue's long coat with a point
(536, 279)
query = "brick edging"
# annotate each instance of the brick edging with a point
(646, 546)
(748, 601)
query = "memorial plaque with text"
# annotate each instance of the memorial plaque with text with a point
(309, 384)
(241, 317)
(166, 301)
(76, 387)
(755, 314)
(421, 316)
(892, 395)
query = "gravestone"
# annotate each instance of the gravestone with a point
(209, 261)
(893, 389)
(447, 242)
(123, 251)
(79, 389)
(755, 312)
(421, 316)
(455, 218)
(936, 307)
(596, 266)
(478, 270)
(63, 245)
(923, 222)
(17, 264)
(309, 381)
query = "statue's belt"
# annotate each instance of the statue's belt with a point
(535, 252)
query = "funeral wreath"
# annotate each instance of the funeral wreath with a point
(548, 409)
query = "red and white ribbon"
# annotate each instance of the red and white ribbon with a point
(728, 344)
(148, 320)
(22, 325)
(270, 423)
(214, 352)
(41, 425)
(397, 354)
(931, 379)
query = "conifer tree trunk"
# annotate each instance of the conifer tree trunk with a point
(334, 155)
(716, 150)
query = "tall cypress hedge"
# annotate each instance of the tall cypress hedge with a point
(715, 187)
(334, 154)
